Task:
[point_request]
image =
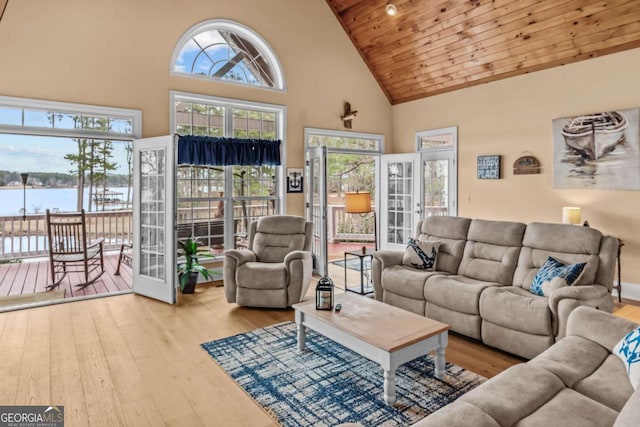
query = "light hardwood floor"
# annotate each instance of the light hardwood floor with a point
(129, 360)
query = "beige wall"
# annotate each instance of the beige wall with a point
(512, 117)
(117, 53)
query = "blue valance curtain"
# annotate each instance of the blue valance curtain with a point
(218, 151)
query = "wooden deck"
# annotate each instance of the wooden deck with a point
(32, 276)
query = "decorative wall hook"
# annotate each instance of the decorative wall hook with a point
(348, 115)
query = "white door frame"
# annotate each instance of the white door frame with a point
(319, 186)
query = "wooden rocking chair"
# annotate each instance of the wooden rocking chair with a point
(68, 249)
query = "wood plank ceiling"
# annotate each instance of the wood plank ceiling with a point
(436, 46)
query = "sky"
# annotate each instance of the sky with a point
(217, 50)
(28, 153)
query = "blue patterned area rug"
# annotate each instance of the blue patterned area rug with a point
(328, 384)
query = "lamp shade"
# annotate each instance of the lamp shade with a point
(358, 202)
(570, 215)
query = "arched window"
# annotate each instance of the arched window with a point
(225, 50)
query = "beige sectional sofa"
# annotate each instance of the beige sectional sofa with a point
(576, 382)
(483, 274)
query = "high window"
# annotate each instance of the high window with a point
(225, 50)
(233, 196)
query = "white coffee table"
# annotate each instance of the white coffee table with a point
(380, 332)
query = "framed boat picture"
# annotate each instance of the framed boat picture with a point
(597, 151)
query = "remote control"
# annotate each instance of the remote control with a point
(338, 307)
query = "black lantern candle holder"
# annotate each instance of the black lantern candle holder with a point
(324, 294)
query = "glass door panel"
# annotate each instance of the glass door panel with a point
(438, 171)
(154, 260)
(400, 207)
(317, 206)
(436, 187)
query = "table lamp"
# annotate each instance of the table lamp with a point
(360, 203)
(571, 215)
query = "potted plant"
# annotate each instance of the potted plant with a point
(190, 267)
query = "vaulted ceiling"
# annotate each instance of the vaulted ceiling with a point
(436, 46)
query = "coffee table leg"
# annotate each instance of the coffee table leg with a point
(302, 333)
(440, 363)
(390, 387)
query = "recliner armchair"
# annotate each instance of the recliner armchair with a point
(275, 270)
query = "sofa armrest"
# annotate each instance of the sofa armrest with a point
(233, 259)
(241, 256)
(303, 255)
(388, 258)
(299, 264)
(379, 261)
(598, 326)
(564, 300)
(582, 293)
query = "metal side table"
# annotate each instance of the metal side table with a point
(366, 283)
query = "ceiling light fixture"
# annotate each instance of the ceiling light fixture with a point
(391, 9)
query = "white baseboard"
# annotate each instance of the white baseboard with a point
(629, 291)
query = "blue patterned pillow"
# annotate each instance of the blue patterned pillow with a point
(421, 255)
(628, 349)
(553, 274)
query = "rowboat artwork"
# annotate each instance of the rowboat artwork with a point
(595, 135)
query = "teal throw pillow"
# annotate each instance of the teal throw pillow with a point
(628, 349)
(553, 275)
(421, 255)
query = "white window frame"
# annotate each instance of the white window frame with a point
(229, 103)
(236, 27)
(71, 108)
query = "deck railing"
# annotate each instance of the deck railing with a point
(28, 238)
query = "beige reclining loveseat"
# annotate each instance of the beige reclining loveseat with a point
(484, 269)
(576, 382)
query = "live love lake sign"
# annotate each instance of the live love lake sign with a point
(489, 167)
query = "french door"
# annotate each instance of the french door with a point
(400, 207)
(439, 183)
(316, 206)
(154, 256)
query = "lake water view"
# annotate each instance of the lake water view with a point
(41, 199)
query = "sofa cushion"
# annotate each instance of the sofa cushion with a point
(513, 341)
(566, 243)
(258, 275)
(571, 359)
(405, 281)
(458, 414)
(628, 350)
(451, 231)
(515, 393)
(462, 323)
(273, 237)
(518, 309)
(421, 255)
(630, 413)
(570, 409)
(608, 385)
(553, 275)
(457, 293)
(492, 250)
